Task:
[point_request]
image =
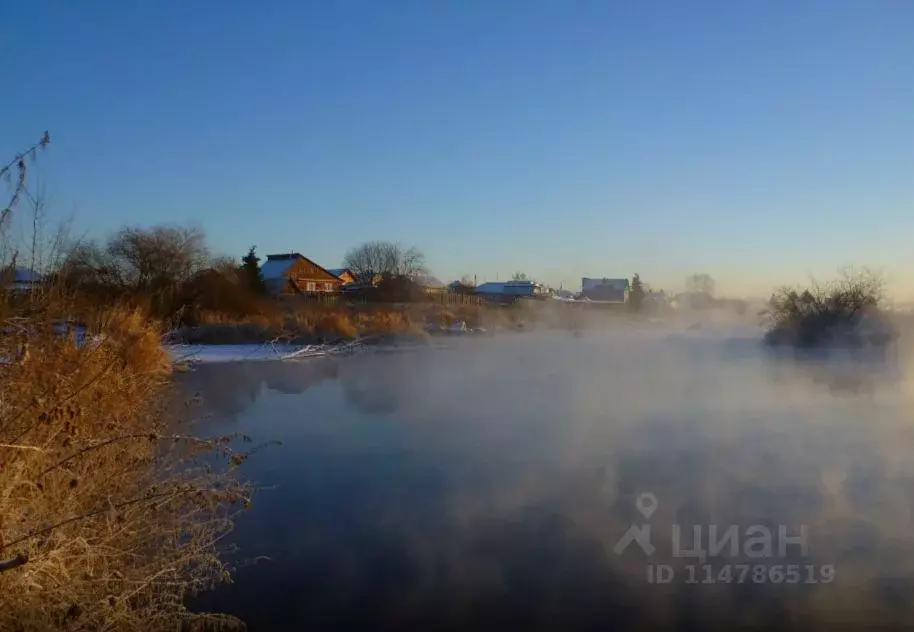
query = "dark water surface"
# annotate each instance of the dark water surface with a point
(487, 486)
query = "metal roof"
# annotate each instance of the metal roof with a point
(25, 275)
(506, 287)
(616, 284)
(276, 268)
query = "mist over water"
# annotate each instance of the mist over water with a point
(485, 484)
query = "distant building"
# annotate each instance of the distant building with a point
(431, 284)
(343, 274)
(21, 279)
(362, 285)
(608, 290)
(510, 290)
(459, 287)
(294, 273)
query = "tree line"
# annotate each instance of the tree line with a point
(171, 271)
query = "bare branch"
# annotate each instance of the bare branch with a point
(19, 164)
(386, 259)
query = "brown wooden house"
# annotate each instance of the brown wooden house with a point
(343, 274)
(294, 273)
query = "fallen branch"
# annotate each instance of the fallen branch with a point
(15, 446)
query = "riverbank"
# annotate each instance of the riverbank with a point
(309, 324)
(183, 354)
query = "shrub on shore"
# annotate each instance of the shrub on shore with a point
(844, 312)
(110, 514)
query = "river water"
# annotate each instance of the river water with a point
(541, 480)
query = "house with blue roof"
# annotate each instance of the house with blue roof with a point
(508, 291)
(22, 279)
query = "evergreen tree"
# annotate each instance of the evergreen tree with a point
(250, 269)
(636, 295)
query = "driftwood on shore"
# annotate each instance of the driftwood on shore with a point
(279, 350)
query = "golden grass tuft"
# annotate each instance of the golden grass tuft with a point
(302, 321)
(110, 506)
(337, 323)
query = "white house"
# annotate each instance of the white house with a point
(611, 290)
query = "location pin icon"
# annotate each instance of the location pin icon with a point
(646, 504)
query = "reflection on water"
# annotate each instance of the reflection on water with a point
(489, 485)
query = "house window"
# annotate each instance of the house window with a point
(311, 286)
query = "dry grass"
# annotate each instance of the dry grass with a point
(302, 322)
(115, 512)
(295, 321)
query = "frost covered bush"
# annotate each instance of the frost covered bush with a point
(110, 512)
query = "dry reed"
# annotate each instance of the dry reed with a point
(110, 512)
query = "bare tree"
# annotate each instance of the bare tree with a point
(520, 276)
(384, 258)
(702, 283)
(412, 263)
(141, 259)
(158, 256)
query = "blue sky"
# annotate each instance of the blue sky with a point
(758, 141)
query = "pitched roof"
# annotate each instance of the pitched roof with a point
(338, 271)
(276, 266)
(505, 287)
(490, 287)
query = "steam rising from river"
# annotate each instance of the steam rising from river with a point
(501, 472)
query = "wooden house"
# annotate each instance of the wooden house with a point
(343, 274)
(294, 273)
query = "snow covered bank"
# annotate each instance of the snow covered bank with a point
(244, 353)
(282, 351)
